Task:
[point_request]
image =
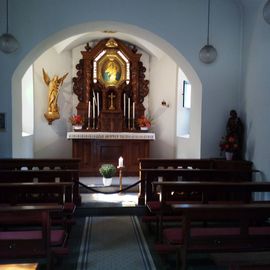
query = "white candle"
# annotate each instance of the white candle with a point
(124, 104)
(133, 110)
(121, 162)
(89, 108)
(128, 108)
(97, 103)
(93, 107)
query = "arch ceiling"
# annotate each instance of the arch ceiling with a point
(81, 39)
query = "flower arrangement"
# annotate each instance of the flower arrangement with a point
(229, 144)
(144, 121)
(76, 119)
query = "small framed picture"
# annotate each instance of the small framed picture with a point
(186, 95)
(2, 121)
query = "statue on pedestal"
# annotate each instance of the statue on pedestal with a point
(53, 87)
(235, 129)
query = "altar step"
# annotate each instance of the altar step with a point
(110, 211)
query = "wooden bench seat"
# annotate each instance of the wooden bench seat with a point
(22, 242)
(39, 194)
(233, 229)
(229, 193)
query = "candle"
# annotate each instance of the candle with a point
(124, 104)
(121, 162)
(133, 110)
(97, 103)
(89, 108)
(128, 108)
(93, 106)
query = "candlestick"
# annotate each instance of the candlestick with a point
(120, 178)
(89, 109)
(120, 162)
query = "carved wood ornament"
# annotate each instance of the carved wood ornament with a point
(111, 86)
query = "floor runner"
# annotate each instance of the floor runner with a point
(113, 242)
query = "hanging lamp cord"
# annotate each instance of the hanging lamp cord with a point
(7, 13)
(208, 22)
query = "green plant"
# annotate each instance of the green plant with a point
(107, 170)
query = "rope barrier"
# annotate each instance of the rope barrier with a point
(109, 192)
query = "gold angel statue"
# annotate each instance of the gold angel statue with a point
(53, 87)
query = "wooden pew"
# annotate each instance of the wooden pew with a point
(46, 164)
(34, 176)
(28, 243)
(235, 228)
(42, 193)
(206, 192)
(151, 170)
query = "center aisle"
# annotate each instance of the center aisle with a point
(113, 242)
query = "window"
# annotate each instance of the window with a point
(186, 95)
(27, 103)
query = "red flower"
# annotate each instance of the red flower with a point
(143, 121)
(76, 119)
(228, 144)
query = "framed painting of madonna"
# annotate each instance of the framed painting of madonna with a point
(111, 69)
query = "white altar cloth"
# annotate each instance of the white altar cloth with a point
(111, 135)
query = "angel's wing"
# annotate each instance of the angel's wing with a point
(63, 78)
(46, 78)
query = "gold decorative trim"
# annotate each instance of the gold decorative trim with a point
(111, 43)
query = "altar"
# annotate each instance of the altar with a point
(97, 148)
(110, 85)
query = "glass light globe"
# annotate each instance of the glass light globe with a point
(208, 54)
(266, 12)
(8, 43)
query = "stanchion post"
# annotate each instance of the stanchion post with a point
(120, 177)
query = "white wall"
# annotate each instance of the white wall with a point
(255, 100)
(163, 87)
(178, 27)
(50, 140)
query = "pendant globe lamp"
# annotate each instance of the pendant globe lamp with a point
(266, 12)
(208, 53)
(8, 43)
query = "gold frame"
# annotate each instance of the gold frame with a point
(111, 60)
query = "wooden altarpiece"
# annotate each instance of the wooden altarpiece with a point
(111, 87)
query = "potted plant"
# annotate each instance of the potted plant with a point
(107, 171)
(76, 121)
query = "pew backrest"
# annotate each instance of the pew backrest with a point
(47, 164)
(239, 191)
(189, 170)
